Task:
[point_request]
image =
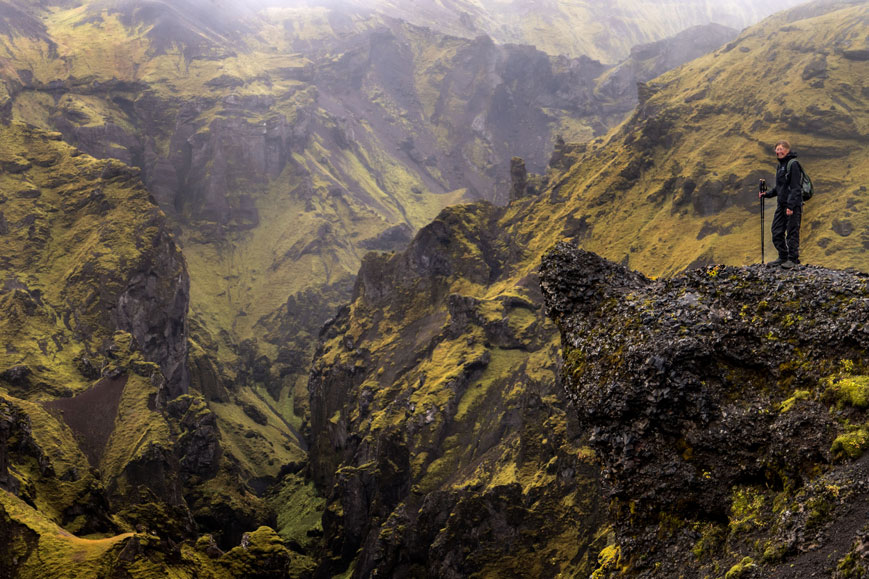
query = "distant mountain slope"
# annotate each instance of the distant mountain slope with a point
(602, 30)
(425, 381)
(689, 159)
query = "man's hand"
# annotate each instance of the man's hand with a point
(789, 212)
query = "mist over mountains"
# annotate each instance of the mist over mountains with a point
(271, 279)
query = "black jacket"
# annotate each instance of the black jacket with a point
(789, 191)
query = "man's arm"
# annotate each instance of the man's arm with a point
(769, 194)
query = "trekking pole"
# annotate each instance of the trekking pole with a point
(762, 231)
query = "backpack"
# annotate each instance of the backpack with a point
(805, 182)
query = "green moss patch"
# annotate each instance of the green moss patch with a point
(741, 569)
(852, 443)
(788, 404)
(848, 390)
(299, 510)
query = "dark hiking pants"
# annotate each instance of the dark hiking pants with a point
(786, 232)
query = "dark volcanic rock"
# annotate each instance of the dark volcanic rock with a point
(153, 308)
(690, 388)
(198, 447)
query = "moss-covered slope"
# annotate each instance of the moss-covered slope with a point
(85, 253)
(33, 546)
(435, 419)
(102, 432)
(281, 169)
(677, 184)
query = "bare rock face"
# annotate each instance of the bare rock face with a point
(153, 308)
(710, 387)
(518, 178)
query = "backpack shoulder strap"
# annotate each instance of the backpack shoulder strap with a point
(788, 167)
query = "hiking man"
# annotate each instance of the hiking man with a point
(789, 212)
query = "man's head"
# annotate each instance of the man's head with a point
(782, 148)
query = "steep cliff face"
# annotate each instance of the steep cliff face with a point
(69, 262)
(726, 406)
(101, 429)
(435, 419)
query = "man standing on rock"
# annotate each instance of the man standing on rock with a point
(789, 212)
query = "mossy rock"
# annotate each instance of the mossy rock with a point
(260, 555)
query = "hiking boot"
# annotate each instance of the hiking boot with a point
(788, 264)
(776, 263)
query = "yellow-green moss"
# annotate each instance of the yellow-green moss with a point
(712, 536)
(138, 428)
(745, 510)
(848, 390)
(852, 443)
(851, 566)
(299, 510)
(261, 549)
(774, 552)
(501, 363)
(607, 561)
(741, 569)
(60, 555)
(262, 449)
(788, 404)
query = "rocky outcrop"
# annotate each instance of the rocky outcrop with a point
(16, 438)
(121, 269)
(153, 308)
(411, 372)
(714, 388)
(523, 184)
